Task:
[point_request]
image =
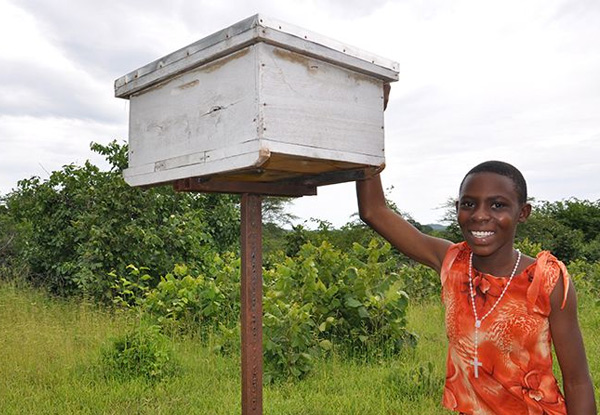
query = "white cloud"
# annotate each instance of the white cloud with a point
(32, 146)
(480, 79)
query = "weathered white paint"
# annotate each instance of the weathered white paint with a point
(257, 28)
(318, 106)
(216, 107)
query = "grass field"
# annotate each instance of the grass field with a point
(50, 353)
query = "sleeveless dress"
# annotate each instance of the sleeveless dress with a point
(514, 340)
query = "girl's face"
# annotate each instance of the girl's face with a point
(488, 213)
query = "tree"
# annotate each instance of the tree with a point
(452, 231)
(274, 210)
(82, 223)
(569, 229)
(576, 214)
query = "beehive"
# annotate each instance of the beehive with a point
(260, 101)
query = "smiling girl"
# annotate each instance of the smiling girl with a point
(504, 310)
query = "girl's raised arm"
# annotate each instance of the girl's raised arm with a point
(374, 211)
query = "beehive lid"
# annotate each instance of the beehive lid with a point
(258, 28)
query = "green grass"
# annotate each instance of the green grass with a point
(589, 321)
(50, 354)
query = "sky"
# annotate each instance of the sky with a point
(511, 80)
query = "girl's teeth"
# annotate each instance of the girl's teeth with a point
(481, 234)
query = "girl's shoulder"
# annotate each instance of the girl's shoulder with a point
(547, 272)
(456, 252)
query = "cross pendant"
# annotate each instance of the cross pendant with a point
(476, 363)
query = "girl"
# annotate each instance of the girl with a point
(503, 308)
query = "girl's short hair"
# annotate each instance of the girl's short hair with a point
(503, 169)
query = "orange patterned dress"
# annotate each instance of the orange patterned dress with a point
(514, 343)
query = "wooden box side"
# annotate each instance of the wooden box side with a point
(316, 109)
(195, 120)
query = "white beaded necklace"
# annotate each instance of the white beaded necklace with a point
(475, 362)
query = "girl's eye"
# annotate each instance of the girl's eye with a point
(466, 204)
(498, 205)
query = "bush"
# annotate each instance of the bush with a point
(290, 342)
(586, 276)
(81, 224)
(191, 304)
(568, 228)
(324, 298)
(143, 352)
(420, 282)
(528, 248)
(319, 300)
(12, 265)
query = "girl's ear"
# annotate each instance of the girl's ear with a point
(524, 213)
(456, 206)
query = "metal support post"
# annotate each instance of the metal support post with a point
(251, 304)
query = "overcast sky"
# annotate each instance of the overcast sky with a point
(515, 80)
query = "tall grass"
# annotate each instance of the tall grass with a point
(50, 352)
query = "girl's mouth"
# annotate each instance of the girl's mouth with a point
(482, 234)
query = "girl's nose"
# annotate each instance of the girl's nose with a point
(481, 214)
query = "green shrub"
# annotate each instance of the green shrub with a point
(290, 343)
(586, 276)
(324, 298)
(81, 224)
(12, 265)
(528, 247)
(131, 291)
(142, 352)
(591, 250)
(193, 304)
(318, 300)
(420, 282)
(567, 228)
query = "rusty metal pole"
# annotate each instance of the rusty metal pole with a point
(251, 304)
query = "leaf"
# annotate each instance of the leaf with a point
(331, 291)
(352, 273)
(326, 345)
(352, 302)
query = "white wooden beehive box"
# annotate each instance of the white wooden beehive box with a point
(260, 101)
